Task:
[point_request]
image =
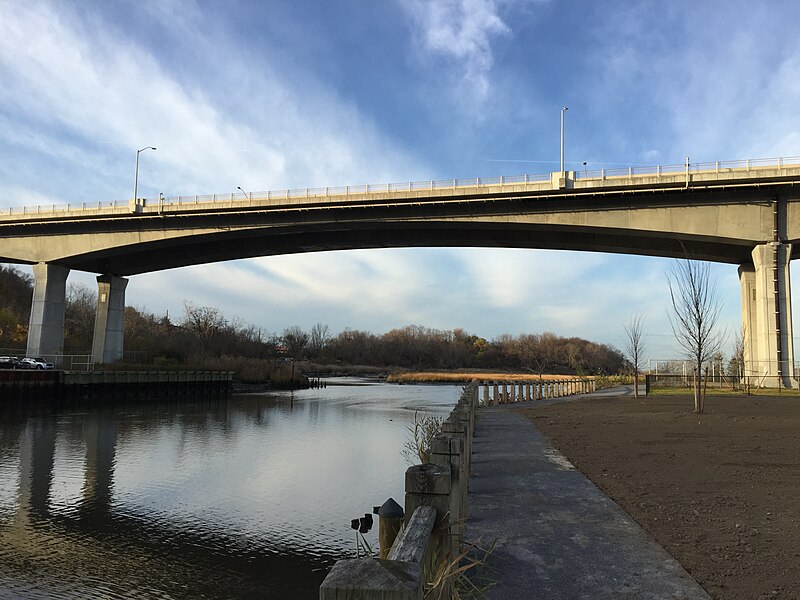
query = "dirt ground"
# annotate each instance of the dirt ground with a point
(720, 491)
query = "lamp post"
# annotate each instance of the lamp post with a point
(135, 204)
(563, 110)
(246, 195)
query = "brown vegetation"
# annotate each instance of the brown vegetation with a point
(466, 377)
(204, 336)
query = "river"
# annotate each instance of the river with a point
(250, 497)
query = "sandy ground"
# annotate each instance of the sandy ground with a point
(720, 491)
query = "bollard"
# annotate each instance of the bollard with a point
(390, 519)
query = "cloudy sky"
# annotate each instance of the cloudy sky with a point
(302, 93)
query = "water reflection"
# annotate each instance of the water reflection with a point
(249, 497)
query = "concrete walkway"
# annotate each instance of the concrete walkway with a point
(556, 534)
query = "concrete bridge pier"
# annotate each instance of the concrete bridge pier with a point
(109, 322)
(46, 325)
(767, 316)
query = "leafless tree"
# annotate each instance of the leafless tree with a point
(79, 315)
(739, 351)
(320, 336)
(635, 348)
(694, 316)
(295, 340)
(206, 322)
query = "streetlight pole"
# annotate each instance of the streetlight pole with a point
(246, 195)
(563, 110)
(135, 203)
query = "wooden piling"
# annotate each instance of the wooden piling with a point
(390, 520)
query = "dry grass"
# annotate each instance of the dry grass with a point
(457, 377)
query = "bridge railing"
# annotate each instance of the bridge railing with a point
(123, 206)
(724, 166)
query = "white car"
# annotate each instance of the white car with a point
(35, 363)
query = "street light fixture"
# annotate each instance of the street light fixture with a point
(563, 110)
(246, 195)
(135, 204)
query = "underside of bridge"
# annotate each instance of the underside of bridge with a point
(756, 227)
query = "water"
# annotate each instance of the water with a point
(250, 497)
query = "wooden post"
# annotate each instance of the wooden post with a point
(390, 519)
(486, 393)
(447, 450)
(496, 398)
(430, 485)
(370, 579)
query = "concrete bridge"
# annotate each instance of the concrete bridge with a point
(742, 212)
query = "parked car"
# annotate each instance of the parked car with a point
(35, 363)
(7, 362)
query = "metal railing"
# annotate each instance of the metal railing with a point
(268, 197)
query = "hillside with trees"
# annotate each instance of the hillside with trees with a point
(204, 336)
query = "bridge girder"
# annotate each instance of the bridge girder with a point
(722, 222)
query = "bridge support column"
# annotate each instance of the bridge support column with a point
(767, 316)
(109, 321)
(46, 325)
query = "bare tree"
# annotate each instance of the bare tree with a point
(737, 360)
(206, 322)
(320, 336)
(79, 315)
(295, 340)
(635, 348)
(694, 316)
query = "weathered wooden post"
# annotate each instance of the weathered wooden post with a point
(496, 399)
(486, 400)
(390, 519)
(459, 423)
(447, 450)
(430, 485)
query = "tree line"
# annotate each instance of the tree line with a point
(203, 333)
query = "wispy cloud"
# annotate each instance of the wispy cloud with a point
(694, 89)
(461, 32)
(78, 81)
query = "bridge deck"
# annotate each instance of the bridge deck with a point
(729, 173)
(557, 535)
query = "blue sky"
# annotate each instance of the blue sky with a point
(270, 95)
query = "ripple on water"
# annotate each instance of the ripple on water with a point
(241, 499)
